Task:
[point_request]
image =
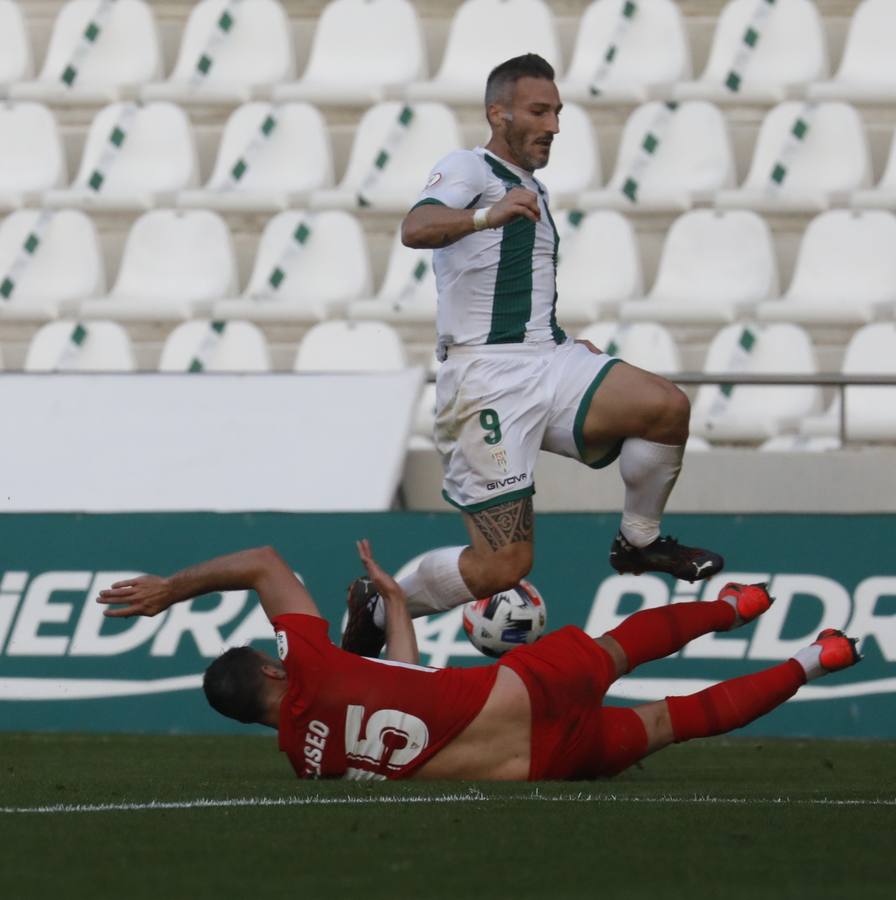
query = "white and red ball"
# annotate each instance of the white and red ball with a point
(505, 620)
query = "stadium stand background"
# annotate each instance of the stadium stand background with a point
(855, 479)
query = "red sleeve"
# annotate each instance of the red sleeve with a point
(300, 639)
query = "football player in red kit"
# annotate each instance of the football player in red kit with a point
(535, 714)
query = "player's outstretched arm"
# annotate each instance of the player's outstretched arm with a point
(433, 225)
(401, 641)
(261, 569)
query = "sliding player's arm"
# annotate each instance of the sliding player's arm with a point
(262, 570)
(401, 641)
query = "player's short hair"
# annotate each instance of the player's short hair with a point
(508, 73)
(233, 685)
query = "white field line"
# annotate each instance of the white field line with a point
(469, 797)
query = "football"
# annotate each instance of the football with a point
(505, 620)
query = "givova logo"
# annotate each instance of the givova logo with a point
(52, 634)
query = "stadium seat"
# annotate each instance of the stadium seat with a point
(807, 157)
(482, 34)
(362, 50)
(660, 166)
(205, 345)
(32, 159)
(867, 72)
(270, 158)
(599, 265)
(753, 413)
(308, 266)
(425, 413)
(395, 146)
(883, 194)
(230, 53)
(15, 48)
(869, 410)
(575, 158)
(135, 157)
(175, 264)
(49, 262)
(714, 268)
(626, 52)
(845, 271)
(98, 52)
(72, 346)
(763, 51)
(644, 344)
(799, 443)
(408, 291)
(340, 346)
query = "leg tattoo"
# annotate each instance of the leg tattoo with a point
(506, 523)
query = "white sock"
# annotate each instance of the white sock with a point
(649, 471)
(810, 659)
(412, 585)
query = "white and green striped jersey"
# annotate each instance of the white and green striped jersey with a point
(496, 286)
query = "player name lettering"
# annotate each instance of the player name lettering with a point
(315, 744)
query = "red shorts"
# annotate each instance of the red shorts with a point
(573, 737)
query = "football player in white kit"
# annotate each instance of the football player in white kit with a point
(512, 382)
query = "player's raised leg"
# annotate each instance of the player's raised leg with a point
(652, 415)
(656, 633)
(735, 703)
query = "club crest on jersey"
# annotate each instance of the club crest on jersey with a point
(282, 645)
(434, 179)
(499, 454)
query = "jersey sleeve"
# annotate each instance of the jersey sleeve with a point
(457, 181)
(300, 639)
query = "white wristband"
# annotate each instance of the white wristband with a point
(480, 218)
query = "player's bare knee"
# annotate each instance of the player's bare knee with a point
(615, 652)
(669, 414)
(657, 723)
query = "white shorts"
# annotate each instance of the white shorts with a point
(497, 406)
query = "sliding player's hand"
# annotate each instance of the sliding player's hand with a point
(385, 584)
(147, 595)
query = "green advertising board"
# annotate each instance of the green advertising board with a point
(64, 667)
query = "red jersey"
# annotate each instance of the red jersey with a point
(347, 716)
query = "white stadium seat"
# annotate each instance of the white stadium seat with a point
(753, 413)
(98, 53)
(483, 33)
(72, 346)
(867, 72)
(845, 271)
(204, 345)
(408, 291)
(869, 410)
(883, 194)
(32, 159)
(135, 157)
(807, 157)
(799, 443)
(230, 53)
(175, 264)
(308, 266)
(647, 51)
(599, 265)
(15, 48)
(49, 262)
(339, 346)
(395, 146)
(646, 345)
(762, 51)
(714, 268)
(362, 50)
(661, 165)
(575, 159)
(271, 157)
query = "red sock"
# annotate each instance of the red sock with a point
(655, 633)
(735, 703)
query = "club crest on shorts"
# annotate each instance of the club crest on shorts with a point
(282, 645)
(499, 454)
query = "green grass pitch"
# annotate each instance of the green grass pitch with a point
(715, 819)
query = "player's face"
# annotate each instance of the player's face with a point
(534, 120)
